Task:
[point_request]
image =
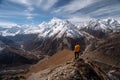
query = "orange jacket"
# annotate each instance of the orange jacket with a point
(77, 48)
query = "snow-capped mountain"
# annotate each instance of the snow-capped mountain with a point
(100, 28)
(56, 35)
(18, 29)
(53, 27)
(105, 25)
(58, 28)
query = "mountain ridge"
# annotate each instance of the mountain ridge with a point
(105, 25)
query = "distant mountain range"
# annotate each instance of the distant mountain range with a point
(48, 29)
(55, 35)
(100, 28)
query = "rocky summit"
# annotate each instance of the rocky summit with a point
(78, 70)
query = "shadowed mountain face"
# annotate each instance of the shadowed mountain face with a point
(13, 56)
(8, 42)
(107, 47)
(6, 55)
(49, 46)
(22, 37)
(105, 53)
(10, 52)
(95, 33)
(14, 60)
(9, 57)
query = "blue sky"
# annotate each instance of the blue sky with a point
(36, 11)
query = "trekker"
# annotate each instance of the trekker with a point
(77, 50)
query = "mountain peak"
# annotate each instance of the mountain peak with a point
(59, 21)
(58, 28)
(105, 25)
(55, 19)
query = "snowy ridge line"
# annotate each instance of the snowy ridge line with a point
(60, 27)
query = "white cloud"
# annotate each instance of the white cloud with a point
(79, 19)
(49, 4)
(108, 9)
(31, 4)
(17, 14)
(75, 5)
(24, 2)
(28, 13)
(11, 14)
(7, 24)
(5, 16)
(29, 16)
(30, 8)
(44, 4)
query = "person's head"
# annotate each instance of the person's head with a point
(77, 43)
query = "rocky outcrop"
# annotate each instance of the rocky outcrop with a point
(78, 70)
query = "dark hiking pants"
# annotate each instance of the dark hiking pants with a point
(76, 55)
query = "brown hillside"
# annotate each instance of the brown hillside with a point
(58, 58)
